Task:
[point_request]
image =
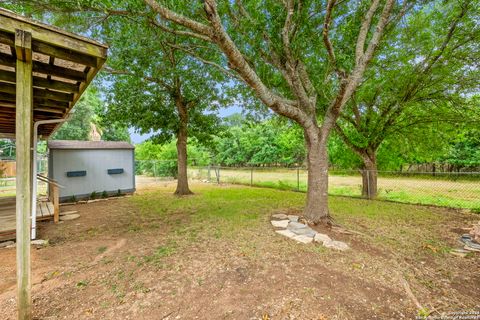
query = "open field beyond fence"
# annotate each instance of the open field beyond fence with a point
(458, 190)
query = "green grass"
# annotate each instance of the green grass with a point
(440, 190)
(230, 213)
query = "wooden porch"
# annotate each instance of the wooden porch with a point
(47, 208)
(45, 211)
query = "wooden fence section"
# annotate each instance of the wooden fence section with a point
(8, 169)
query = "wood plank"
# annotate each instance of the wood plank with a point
(9, 76)
(56, 203)
(51, 208)
(7, 217)
(51, 35)
(8, 101)
(91, 73)
(7, 60)
(9, 88)
(45, 68)
(7, 38)
(65, 54)
(57, 71)
(24, 125)
(39, 209)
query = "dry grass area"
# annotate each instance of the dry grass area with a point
(214, 255)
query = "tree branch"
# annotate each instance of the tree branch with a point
(179, 32)
(205, 61)
(165, 85)
(238, 62)
(362, 35)
(326, 40)
(180, 19)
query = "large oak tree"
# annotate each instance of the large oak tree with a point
(302, 59)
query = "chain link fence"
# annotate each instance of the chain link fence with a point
(454, 189)
(447, 189)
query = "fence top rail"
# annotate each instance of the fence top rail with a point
(341, 170)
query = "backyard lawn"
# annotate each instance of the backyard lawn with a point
(214, 255)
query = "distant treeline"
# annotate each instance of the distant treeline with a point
(279, 143)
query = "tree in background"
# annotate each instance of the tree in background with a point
(87, 115)
(465, 150)
(271, 142)
(422, 78)
(7, 149)
(161, 160)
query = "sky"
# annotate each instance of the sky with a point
(223, 112)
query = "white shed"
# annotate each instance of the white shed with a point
(87, 168)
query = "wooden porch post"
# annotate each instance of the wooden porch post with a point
(23, 136)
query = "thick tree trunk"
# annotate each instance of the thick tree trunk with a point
(369, 176)
(182, 177)
(316, 209)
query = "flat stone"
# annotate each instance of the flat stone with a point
(286, 233)
(305, 232)
(296, 225)
(39, 242)
(68, 212)
(303, 239)
(280, 223)
(11, 246)
(293, 218)
(280, 216)
(459, 254)
(95, 200)
(321, 237)
(337, 245)
(6, 244)
(466, 247)
(69, 217)
(461, 250)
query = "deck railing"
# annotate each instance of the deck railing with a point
(53, 195)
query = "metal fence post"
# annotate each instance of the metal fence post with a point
(298, 179)
(154, 170)
(251, 176)
(218, 175)
(369, 196)
(209, 177)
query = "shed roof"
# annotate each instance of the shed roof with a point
(79, 145)
(63, 66)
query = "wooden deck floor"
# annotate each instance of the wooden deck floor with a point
(7, 215)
